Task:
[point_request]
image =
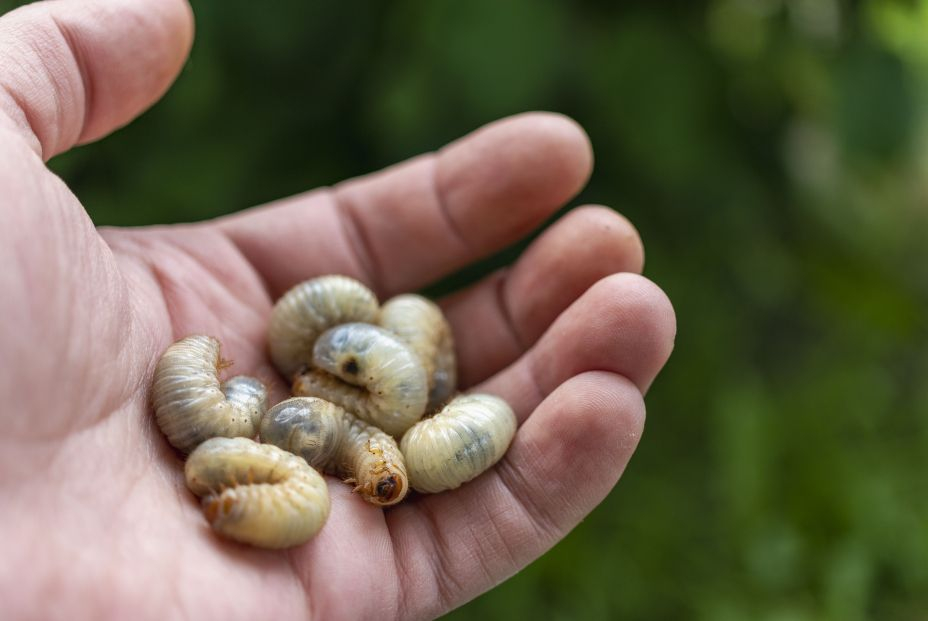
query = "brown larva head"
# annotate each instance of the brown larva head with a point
(388, 490)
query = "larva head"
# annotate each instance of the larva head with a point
(388, 490)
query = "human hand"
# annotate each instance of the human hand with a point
(96, 519)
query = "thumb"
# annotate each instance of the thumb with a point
(71, 72)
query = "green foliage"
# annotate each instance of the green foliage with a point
(774, 154)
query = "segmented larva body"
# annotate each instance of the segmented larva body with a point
(306, 428)
(370, 373)
(190, 403)
(309, 309)
(420, 324)
(331, 439)
(257, 493)
(464, 439)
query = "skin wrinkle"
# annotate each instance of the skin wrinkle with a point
(546, 527)
(24, 122)
(141, 304)
(27, 116)
(361, 249)
(168, 295)
(447, 587)
(502, 303)
(441, 202)
(173, 287)
(241, 264)
(46, 38)
(265, 285)
(398, 583)
(486, 545)
(104, 267)
(111, 280)
(532, 374)
(309, 609)
(86, 78)
(403, 576)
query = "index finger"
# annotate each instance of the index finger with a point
(401, 228)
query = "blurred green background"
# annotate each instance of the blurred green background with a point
(774, 155)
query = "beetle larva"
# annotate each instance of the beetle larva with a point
(257, 493)
(307, 310)
(331, 439)
(464, 439)
(191, 405)
(368, 372)
(420, 324)
(304, 427)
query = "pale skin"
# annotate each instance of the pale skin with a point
(96, 520)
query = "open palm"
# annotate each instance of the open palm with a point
(96, 518)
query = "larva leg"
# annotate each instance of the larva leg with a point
(310, 308)
(257, 493)
(327, 436)
(379, 378)
(464, 439)
(420, 324)
(191, 405)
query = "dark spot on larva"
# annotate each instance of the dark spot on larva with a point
(350, 367)
(387, 488)
(477, 449)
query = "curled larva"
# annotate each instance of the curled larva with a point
(191, 405)
(305, 428)
(370, 373)
(307, 310)
(257, 493)
(420, 324)
(331, 439)
(464, 439)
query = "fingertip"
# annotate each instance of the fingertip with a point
(507, 177)
(595, 413)
(647, 317)
(573, 449)
(621, 234)
(143, 67)
(568, 145)
(73, 72)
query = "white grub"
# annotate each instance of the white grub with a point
(464, 439)
(336, 441)
(370, 373)
(420, 324)
(309, 309)
(305, 427)
(257, 493)
(190, 403)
